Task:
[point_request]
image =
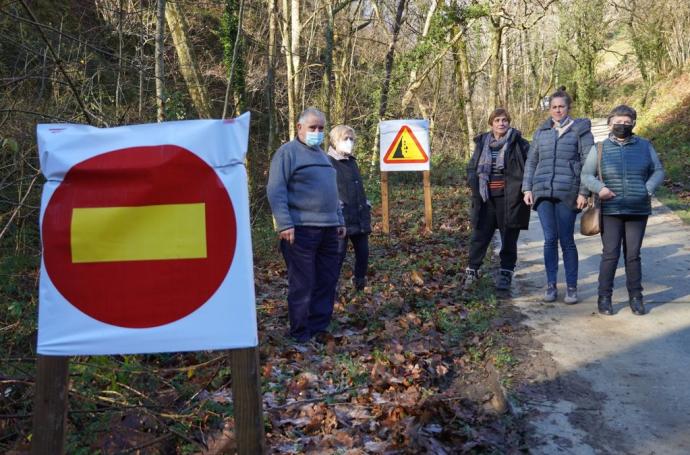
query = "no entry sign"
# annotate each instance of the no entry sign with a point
(146, 244)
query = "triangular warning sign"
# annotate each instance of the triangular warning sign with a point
(405, 148)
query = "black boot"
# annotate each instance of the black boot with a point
(360, 283)
(604, 304)
(636, 305)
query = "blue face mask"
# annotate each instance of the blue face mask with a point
(314, 138)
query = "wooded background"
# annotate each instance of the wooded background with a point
(117, 62)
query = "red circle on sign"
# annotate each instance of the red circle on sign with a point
(139, 293)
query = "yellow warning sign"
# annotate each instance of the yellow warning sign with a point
(405, 148)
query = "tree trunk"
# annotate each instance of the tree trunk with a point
(185, 55)
(160, 35)
(290, 72)
(142, 43)
(119, 59)
(385, 85)
(233, 54)
(296, 32)
(463, 76)
(505, 80)
(414, 82)
(328, 62)
(271, 76)
(495, 62)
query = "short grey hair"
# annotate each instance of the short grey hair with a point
(309, 112)
(622, 110)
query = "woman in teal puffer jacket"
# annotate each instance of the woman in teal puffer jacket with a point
(630, 173)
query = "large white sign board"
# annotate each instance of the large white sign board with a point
(146, 238)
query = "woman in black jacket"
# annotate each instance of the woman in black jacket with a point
(495, 175)
(356, 207)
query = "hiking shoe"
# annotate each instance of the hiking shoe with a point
(471, 278)
(604, 305)
(637, 306)
(504, 279)
(570, 295)
(551, 293)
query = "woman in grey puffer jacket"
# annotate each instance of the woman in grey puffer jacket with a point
(552, 186)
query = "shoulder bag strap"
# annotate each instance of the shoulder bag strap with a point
(600, 150)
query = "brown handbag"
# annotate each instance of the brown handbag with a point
(590, 221)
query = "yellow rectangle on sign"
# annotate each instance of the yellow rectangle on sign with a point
(152, 232)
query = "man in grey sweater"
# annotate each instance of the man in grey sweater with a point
(303, 194)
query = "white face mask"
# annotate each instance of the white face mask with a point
(345, 146)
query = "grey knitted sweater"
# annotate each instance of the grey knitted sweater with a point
(302, 188)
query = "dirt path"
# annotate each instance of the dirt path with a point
(616, 384)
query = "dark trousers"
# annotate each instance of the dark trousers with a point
(360, 244)
(313, 265)
(492, 217)
(628, 229)
(558, 223)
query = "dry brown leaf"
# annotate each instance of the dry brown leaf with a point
(417, 278)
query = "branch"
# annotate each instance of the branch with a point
(19, 206)
(414, 85)
(88, 115)
(234, 58)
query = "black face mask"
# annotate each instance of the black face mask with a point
(622, 131)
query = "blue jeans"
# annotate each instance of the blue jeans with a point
(558, 223)
(313, 265)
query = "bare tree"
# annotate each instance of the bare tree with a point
(160, 36)
(186, 59)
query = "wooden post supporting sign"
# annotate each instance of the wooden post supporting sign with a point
(51, 401)
(405, 147)
(50, 405)
(427, 200)
(246, 396)
(384, 202)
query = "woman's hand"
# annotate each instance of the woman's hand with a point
(581, 202)
(529, 200)
(605, 194)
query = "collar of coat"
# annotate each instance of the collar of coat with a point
(513, 137)
(580, 125)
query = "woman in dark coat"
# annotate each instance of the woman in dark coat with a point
(495, 175)
(356, 207)
(630, 174)
(552, 185)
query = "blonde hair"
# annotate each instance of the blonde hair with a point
(339, 131)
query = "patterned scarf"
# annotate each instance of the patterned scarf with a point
(485, 164)
(563, 126)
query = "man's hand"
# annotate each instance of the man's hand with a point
(581, 202)
(605, 194)
(529, 200)
(342, 232)
(288, 234)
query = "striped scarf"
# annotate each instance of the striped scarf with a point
(486, 164)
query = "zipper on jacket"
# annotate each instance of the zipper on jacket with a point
(625, 172)
(555, 152)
